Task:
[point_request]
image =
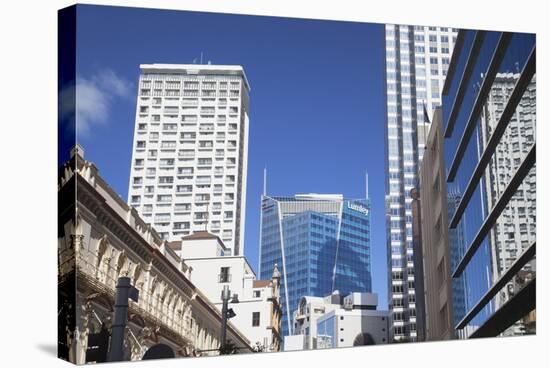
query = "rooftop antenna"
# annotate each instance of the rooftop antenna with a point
(366, 184)
(201, 57)
(265, 181)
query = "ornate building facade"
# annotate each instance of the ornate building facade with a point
(101, 238)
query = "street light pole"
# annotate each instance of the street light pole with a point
(225, 301)
(227, 313)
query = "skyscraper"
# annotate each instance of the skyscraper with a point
(417, 59)
(321, 243)
(189, 159)
(515, 229)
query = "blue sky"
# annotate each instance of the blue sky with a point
(317, 100)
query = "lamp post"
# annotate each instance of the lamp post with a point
(227, 313)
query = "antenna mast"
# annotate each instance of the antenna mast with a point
(265, 180)
(366, 184)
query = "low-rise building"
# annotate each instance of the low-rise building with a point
(355, 323)
(258, 311)
(336, 321)
(310, 308)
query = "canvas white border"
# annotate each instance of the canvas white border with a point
(28, 180)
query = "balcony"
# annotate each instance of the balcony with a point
(155, 311)
(186, 154)
(190, 103)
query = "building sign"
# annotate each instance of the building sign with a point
(359, 208)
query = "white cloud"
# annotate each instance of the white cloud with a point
(95, 97)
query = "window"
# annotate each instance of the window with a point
(224, 276)
(166, 179)
(164, 198)
(257, 293)
(166, 161)
(168, 144)
(255, 319)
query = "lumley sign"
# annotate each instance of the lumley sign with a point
(358, 208)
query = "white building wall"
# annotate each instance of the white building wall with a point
(205, 274)
(348, 324)
(202, 248)
(206, 271)
(294, 342)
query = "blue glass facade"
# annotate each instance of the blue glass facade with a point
(457, 247)
(320, 245)
(489, 117)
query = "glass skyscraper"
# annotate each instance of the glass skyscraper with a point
(321, 243)
(417, 59)
(489, 116)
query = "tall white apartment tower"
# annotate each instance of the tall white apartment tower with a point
(417, 59)
(189, 159)
(515, 230)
